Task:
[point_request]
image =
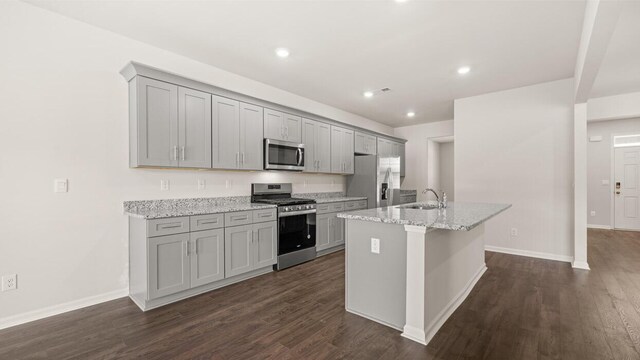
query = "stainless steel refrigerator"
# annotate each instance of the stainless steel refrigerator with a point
(376, 178)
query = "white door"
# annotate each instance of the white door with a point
(626, 188)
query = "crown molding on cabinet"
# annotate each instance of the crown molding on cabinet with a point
(135, 68)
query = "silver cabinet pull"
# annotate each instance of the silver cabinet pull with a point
(208, 222)
(237, 158)
(243, 157)
(183, 153)
(175, 153)
(195, 247)
(170, 226)
(186, 248)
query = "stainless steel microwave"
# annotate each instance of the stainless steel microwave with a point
(283, 155)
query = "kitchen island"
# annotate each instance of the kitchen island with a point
(410, 266)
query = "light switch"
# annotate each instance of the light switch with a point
(595, 138)
(593, 213)
(164, 185)
(605, 182)
(375, 246)
(61, 185)
(202, 184)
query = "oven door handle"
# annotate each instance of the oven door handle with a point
(294, 213)
(299, 156)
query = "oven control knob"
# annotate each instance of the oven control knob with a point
(286, 209)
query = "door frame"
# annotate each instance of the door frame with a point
(433, 168)
(612, 173)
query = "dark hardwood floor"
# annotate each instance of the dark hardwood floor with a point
(522, 308)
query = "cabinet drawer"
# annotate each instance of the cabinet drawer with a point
(335, 207)
(361, 204)
(264, 215)
(238, 218)
(167, 226)
(207, 222)
(350, 205)
(322, 208)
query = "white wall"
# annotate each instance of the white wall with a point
(599, 167)
(446, 168)
(417, 155)
(516, 147)
(64, 114)
(622, 106)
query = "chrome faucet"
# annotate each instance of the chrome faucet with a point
(441, 203)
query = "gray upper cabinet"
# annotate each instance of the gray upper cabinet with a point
(153, 123)
(265, 244)
(251, 135)
(282, 126)
(402, 160)
(168, 265)
(392, 148)
(207, 256)
(237, 135)
(194, 128)
(342, 143)
(226, 133)
(364, 144)
(238, 250)
(316, 137)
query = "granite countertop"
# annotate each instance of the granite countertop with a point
(457, 216)
(155, 209)
(329, 197)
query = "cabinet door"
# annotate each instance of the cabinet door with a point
(194, 128)
(402, 160)
(168, 265)
(157, 136)
(207, 256)
(383, 148)
(371, 142)
(292, 128)
(323, 147)
(265, 244)
(323, 231)
(251, 137)
(238, 250)
(360, 143)
(273, 125)
(347, 148)
(338, 231)
(337, 143)
(309, 136)
(226, 133)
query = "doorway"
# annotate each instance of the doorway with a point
(626, 175)
(440, 166)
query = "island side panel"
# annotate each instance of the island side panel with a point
(376, 283)
(454, 263)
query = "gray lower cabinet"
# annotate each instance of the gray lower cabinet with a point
(206, 251)
(250, 247)
(168, 265)
(323, 231)
(338, 230)
(330, 229)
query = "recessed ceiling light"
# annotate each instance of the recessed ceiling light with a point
(368, 94)
(411, 114)
(401, 1)
(464, 70)
(282, 52)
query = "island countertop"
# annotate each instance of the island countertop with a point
(457, 216)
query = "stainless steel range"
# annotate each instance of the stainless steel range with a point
(296, 223)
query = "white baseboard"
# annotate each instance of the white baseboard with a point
(604, 227)
(436, 324)
(580, 265)
(61, 308)
(534, 254)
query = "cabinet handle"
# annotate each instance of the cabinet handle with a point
(243, 157)
(208, 222)
(195, 247)
(237, 159)
(162, 227)
(183, 153)
(239, 217)
(186, 248)
(175, 153)
(265, 215)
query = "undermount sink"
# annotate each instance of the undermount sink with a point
(421, 207)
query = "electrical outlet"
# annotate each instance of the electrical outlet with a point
(202, 184)
(164, 185)
(605, 182)
(60, 185)
(375, 246)
(9, 282)
(228, 184)
(593, 213)
(514, 232)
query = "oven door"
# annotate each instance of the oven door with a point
(296, 232)
(283, 155)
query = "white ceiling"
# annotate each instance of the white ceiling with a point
(341, 48)
(620, 69)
